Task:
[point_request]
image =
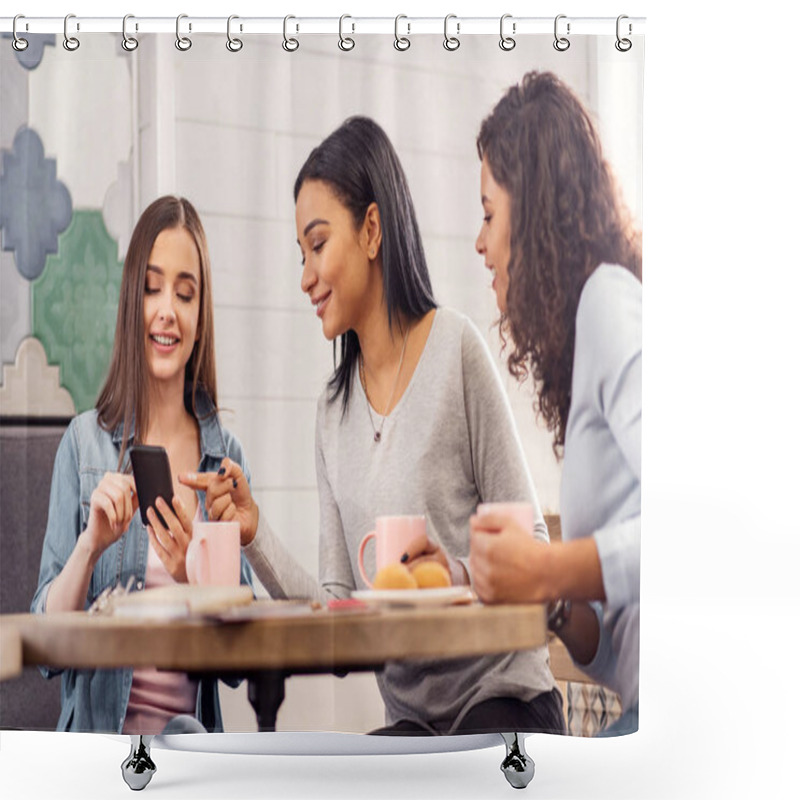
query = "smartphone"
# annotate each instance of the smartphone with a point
(153, 478)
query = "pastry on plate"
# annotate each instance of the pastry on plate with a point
(394, 576)
(431, 575)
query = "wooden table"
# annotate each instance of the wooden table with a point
(269, 649)
(265, 651)
(313, 640)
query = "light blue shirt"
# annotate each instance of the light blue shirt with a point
(97, 700)
(602, 469)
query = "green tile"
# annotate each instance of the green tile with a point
(75, 306)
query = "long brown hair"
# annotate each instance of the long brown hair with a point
(124, 397)
(566, 219)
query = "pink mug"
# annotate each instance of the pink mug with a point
(212, 558)
(521, 513)
(393, 536)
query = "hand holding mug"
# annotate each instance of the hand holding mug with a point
(228, 497)
(394, 537)
(419, 552)
(508, 564)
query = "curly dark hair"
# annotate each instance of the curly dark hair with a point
(566, 219)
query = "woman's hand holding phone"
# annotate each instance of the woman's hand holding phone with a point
(169, 524)
(228, 496)
(111, 508)
(170, 541)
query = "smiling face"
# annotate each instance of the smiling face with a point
(494, 239)
(171, 304)
(338, 258)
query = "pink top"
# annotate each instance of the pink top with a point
(157, 696)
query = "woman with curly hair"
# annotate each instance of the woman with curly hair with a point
(566, 262)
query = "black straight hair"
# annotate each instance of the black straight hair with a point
(360, 165)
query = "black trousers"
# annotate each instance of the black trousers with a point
(543, 714)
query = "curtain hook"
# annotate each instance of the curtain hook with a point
(346, 43)
(233, 44)
(183, 43)
(290, 44)
(71, 43)
(561, 43)
(129, 43)
(507, 42)
(401, 43)
(623, 45)
(19, 44)
(451, 43)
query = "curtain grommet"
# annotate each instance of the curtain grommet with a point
(233, 44)
(18, 43)
(561, 43)
(71, 43)
(451, 43)
(289, 44)
(507, 43)
(401, 43)
(346, 43)
(623, 44)
(183, 43)
(129, 43)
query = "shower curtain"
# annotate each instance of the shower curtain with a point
(90, 137)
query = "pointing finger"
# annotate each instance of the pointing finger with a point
(197, 480)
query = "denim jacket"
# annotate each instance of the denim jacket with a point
(97, 699)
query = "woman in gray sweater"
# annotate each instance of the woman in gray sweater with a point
(567, 267)
(414, 420)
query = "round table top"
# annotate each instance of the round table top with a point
(303, 638)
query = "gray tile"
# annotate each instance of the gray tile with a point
(15, 308)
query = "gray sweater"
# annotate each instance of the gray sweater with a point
(449, 444)
(601, 492)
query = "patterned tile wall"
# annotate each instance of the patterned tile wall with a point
(60, 268)
(75, 306)
(34, 205)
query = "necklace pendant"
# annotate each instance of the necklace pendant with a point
(377, 436)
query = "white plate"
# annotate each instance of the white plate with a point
(446, 596)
